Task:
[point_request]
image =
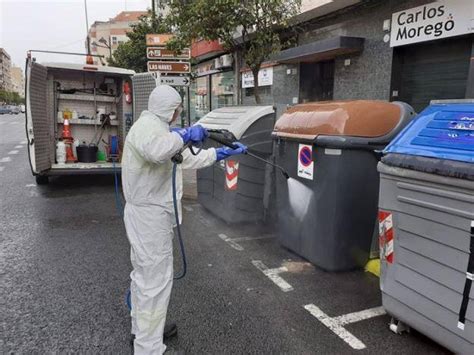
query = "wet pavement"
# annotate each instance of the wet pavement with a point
(65, 271)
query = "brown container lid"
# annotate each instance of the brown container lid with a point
(358, 118)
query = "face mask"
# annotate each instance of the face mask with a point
(176, 113)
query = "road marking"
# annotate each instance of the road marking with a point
(30, 185)
(245, 239)
(5, 160)
(188, 208)
(18, 146)
(229, 241)
(360, 316)
(273, 274)
(14, 122)
(23, 142)
(13, 152)
(233, 241)
(336, 324)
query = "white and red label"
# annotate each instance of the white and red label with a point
(231, 174)
(305, 161)
(386, 236)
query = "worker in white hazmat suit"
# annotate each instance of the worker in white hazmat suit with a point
(149, 213)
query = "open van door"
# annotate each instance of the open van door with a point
(142, 84)
(38, 121)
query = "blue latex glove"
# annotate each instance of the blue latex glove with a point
(225, 152)
(195, 134)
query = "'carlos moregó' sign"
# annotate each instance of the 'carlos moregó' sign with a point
(436, 20)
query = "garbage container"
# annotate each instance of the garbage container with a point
(234, 189)
(327, 210)
(427, 225)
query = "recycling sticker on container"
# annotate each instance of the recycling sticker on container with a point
(305, 161)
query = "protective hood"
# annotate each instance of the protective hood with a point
(163, 102)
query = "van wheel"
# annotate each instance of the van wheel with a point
(41, 179)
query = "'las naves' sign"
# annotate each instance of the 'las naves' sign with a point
(440, 19)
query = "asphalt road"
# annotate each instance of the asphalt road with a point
(65, 270)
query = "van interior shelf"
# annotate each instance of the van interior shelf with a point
(88, 122)
(87, 97)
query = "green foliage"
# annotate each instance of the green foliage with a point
(11, 98)
(252, 26)
(132, 54)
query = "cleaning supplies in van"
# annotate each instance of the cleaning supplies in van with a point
(61, 152)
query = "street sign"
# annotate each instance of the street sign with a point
(163, 53)
(158, 39)
(169, 67)
(175, 80)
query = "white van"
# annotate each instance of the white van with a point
(100, 102)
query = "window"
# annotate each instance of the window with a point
(263, 91)
(114, 40)
(199, 98)
(222, 91)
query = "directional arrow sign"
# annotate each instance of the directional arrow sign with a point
(158, 39)
(169, 67)
(163, 53)
(175, 80)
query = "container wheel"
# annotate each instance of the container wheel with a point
(398, 327)
(41, 179)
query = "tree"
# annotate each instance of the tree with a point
(132, 54)
(254, 27)
(11, 97)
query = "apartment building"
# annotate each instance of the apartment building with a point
(18, 81)
(105, 36)
(5, 70)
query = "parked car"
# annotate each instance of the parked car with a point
(15, 110)
(5, 109)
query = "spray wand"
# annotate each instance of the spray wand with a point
(227, 138)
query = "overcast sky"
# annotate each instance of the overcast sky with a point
(54, 25)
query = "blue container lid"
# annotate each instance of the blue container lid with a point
(442, 130)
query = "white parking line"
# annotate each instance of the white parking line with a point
(233, 241)
(273, 274)
(11, 152)
(336, 324)
(30, 185)
(5, 160)
(18, 146)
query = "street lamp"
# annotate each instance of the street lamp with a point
(105, 45)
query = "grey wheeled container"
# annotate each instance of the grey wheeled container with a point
(426, 225)
(234, 189)
(327, 211)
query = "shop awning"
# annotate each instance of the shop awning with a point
(321, 50)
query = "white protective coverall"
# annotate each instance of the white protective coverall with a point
(149, 213)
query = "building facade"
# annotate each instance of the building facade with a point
(407, 50)
(5, 71)
(18, 81)
(105, 36)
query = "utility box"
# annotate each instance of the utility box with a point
(327, 210)
(234, 189)
(427, 225)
